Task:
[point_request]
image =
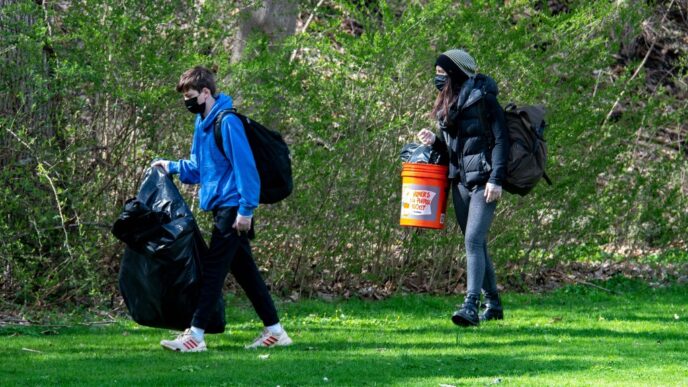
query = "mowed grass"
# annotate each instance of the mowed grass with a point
(575, 336)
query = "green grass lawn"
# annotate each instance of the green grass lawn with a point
(575, 336)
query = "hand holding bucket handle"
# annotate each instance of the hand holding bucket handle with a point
(426, 137)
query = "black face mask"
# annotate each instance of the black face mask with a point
(193, 106)
(440, 81)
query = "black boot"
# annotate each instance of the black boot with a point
(468, 314)
(493, 308)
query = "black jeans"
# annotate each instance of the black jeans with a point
(475, 217)
(231, 251)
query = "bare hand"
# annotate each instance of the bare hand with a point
(164, 164)
(492, 193)
(242, 223)
(426, 137)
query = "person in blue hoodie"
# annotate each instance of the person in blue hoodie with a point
(230, 188)
(473, 134)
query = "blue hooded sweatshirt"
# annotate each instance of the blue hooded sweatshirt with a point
(225, 181)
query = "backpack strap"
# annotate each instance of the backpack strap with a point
(217, 128)
(485, 120)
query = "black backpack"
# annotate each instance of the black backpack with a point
(271, 154)
(528, 151)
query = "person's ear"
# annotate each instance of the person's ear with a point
(206, 91)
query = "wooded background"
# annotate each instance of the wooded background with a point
(87, 100)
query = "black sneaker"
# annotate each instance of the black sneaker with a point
(492, 312)
(468, 314)
(493, 307)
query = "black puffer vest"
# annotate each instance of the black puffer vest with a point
(466, 133)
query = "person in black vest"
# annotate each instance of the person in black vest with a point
(472, 133)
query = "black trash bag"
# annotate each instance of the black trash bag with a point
(418, 153)
(160, 273)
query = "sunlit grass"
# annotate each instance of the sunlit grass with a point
(576, 336)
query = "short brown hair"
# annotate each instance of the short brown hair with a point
(197, 78)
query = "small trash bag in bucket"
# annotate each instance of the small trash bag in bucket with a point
(424, 154)
(160, 272)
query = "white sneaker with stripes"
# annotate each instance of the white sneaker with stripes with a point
(184, 343)
(267, 340)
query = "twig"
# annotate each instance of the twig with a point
(106, 322)
(10, 48)
(594, 286)
(310, 18)
(18, 138)
(47, 19)
(582, 282)
(38, 232)
(31, 350)
(597, 83)
(43, 172)
(637, 70)
(305, 26)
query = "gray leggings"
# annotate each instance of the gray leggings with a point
(475, 217)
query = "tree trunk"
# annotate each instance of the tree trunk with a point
(17, 58)
(275, 18)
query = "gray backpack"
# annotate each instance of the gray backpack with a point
(528, 152)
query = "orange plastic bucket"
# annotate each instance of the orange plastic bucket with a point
(423, 195)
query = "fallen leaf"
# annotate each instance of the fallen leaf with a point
(189, 368)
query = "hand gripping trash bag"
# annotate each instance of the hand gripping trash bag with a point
(160, 273)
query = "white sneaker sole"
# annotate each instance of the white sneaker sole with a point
(175, 349)
(282, 343)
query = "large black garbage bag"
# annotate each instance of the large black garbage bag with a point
(160, 273)
(418, 153)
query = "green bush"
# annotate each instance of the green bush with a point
(97, 104)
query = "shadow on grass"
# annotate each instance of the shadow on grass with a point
(285, 367)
